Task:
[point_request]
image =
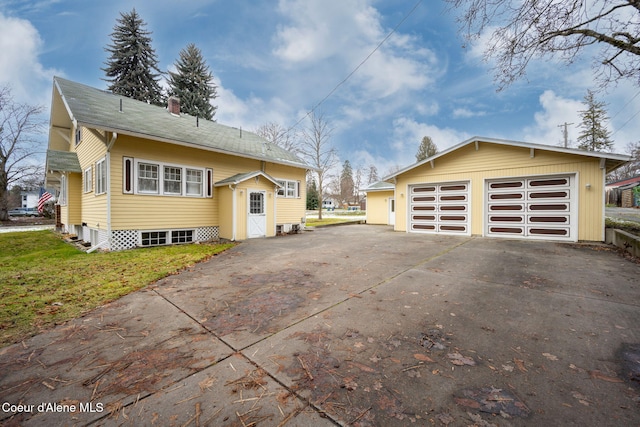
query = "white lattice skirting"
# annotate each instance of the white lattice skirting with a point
(129, 239)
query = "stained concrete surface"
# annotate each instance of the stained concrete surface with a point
(354, 325)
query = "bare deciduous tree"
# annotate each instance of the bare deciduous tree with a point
(373, 174)
(317, 150)
(19, 125)
(280, 136)
(628, 170)
(358, 179)
(522, 30)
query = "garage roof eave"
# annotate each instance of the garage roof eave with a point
(612, 160)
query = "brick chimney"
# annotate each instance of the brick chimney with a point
(173, 105)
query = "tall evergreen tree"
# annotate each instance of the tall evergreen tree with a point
(426, 149)
(132, 67)
(193, 84)
(312, 195)
(346, 182)
(594, 135)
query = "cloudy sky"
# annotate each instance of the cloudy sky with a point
(274, 61)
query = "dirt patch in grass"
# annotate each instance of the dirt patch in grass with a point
(45, 281)
(312, 222)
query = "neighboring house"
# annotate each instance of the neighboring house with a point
(329, 204)
(29, 199)
(131, 174)
(499, 188)
(381, 206)
(624, 193)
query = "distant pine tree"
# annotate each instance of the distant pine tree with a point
(346, 182)
(193, 84)
(312, 195)
(594, 135)
(426, 149)
(132, 67)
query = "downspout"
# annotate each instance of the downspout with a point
(234, 213)
(114, 137)
(275, 210)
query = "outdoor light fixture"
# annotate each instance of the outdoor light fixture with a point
(588, 186)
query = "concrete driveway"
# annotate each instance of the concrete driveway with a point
(352, 325)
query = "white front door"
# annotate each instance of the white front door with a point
(257, 217)
(392, 211)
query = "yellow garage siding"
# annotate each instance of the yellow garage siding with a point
(378, 207)
(496, 161)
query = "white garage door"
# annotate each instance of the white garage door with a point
(439, 208)
(535, 207)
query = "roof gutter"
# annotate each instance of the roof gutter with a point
(196, 146)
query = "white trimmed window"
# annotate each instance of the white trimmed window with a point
(194, 182)
(172, 183)
(182, 236)
(166, 179)
(166, 237)
(147, 178)
(62, 198)
(78, 135)
(101, 176)
(153, 238)
(88, 179)
(288, 189)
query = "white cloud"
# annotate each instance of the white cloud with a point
(345, 33)
(249, 113)
(466, 113)
(407, 134)
(556, 111)
(20, 67)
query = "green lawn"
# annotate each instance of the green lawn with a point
(44, 281)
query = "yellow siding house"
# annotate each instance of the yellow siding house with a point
(498, 188)
(130, 174)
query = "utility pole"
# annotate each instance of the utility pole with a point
(565, 133)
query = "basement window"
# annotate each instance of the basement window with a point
(153, 238)
(182, 236)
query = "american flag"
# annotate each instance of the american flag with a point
(44, 197)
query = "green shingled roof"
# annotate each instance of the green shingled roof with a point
(100, 109)
(380, 186)
(241, 177)
(63, 161)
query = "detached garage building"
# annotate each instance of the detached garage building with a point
(499, 188)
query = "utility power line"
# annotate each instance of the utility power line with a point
(565, 133)
(359, 65)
